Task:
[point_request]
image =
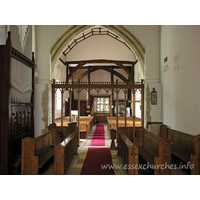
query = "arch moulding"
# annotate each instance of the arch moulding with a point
(73, 31)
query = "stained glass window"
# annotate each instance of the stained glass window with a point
(102, 105)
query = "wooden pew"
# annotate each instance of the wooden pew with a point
(156, 151)
(35, 153)
(129, 153)
(111, 123)
(86, 123)
(186, 148)
(128, 131)
(64, 152)
(85, 127)
(59, 133)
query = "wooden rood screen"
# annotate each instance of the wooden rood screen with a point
(107, 86)
(16, 104)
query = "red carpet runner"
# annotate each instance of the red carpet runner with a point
(98, 137)
(95, 160)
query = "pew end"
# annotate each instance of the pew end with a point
(63, 154)
(195, 158)
(30, 162)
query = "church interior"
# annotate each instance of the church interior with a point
(76, 97)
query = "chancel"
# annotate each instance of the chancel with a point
(77, 98)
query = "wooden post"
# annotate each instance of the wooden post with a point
(133, 101)
(67, 72)
(33, 97)
(88, 90)
(53, 101)
(78, 111)
(134, 117)
(112, 92)
(125, 109)
(142, 102)
(113, 137)
(117, 106)
(70, 104)
(133, 154)
(129, 97)
(62, 91)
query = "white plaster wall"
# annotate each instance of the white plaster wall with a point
(45, 37)
(180, 77)
(100, 47)
(2, 35)
(150, 37)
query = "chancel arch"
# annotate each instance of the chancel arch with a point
(66, 38)
(66, 51)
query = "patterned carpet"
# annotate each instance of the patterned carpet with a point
(87, 142)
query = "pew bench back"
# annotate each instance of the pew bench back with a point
(151, 143)
(35, 153)
(155, 150)
(182, 144)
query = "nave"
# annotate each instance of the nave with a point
(77, 162)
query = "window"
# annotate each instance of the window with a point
(102, 105)
(58, 95)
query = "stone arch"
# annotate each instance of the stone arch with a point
(72, 31)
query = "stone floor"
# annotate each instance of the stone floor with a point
(78, 160)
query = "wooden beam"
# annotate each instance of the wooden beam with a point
(76, 68)
(125, 69)
(62, 61)
(103, 66)
(108, 70)
(101, 61)
(99, 85)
